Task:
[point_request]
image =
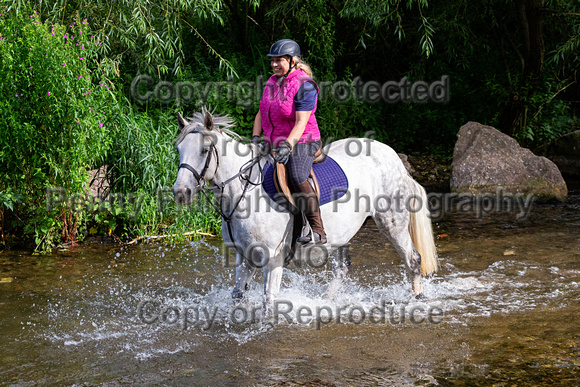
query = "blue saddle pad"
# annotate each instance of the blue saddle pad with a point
(331, 179)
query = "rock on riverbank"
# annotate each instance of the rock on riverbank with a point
(486, 160)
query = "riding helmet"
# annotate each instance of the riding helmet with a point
(285, 47)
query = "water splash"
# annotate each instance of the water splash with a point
(189, 300)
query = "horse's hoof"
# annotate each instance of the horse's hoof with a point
(237, 295)
(420, 296)
(333, 289)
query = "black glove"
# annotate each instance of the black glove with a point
(256, 139)
(283, 152)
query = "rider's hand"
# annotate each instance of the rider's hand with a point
(283, 152)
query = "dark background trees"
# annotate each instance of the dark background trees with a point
(511, 64)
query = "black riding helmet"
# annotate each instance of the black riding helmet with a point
(285, 47)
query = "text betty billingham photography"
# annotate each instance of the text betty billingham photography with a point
(439, 203)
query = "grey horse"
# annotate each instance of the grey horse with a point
(212, 157)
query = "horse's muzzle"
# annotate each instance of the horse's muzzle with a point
(183, 195)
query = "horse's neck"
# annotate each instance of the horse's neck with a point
(233, 156)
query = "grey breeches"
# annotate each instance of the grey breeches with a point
(300, 162)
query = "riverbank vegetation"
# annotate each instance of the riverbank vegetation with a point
(69, 102)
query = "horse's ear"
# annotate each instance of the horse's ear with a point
(181, 122)
(208, 123)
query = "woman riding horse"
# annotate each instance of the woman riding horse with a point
(286, 117)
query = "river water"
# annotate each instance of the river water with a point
(503, 310)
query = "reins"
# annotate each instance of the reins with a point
(249, 165)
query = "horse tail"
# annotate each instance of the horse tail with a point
(421, 230)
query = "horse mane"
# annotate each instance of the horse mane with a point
(221, 124)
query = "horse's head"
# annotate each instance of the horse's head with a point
(198, 156)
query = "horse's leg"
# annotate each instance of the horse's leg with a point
(272, 272)
(340, 261)
(394, 224)
(244, 273)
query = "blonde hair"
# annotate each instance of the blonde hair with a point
(302, 65)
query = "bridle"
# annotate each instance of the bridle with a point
(200, 177)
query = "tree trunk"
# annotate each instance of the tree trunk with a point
(531, 19)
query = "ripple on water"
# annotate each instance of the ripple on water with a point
(83, 307)
(106, 310)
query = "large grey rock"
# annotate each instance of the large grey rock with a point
(486, 160)
(565, 153)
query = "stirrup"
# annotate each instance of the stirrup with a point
(318, 239)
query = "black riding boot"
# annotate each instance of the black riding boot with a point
(307, 202)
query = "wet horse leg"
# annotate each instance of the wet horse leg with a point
(340, 261)
(272, 272)
(395, 226)
(244, 273)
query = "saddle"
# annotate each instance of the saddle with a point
(281, 181)
(327, 178)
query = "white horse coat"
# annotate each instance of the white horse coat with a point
(379, 187)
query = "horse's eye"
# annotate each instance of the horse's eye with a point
(204, 151)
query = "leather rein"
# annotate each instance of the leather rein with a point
(200, 177)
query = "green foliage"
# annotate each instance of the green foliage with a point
(53, 140)
(54, 109)
(552, 117)
(8, 199)
(379, 13)
(568, 14)
(144, 163)
(59, 118)
(151, 34)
